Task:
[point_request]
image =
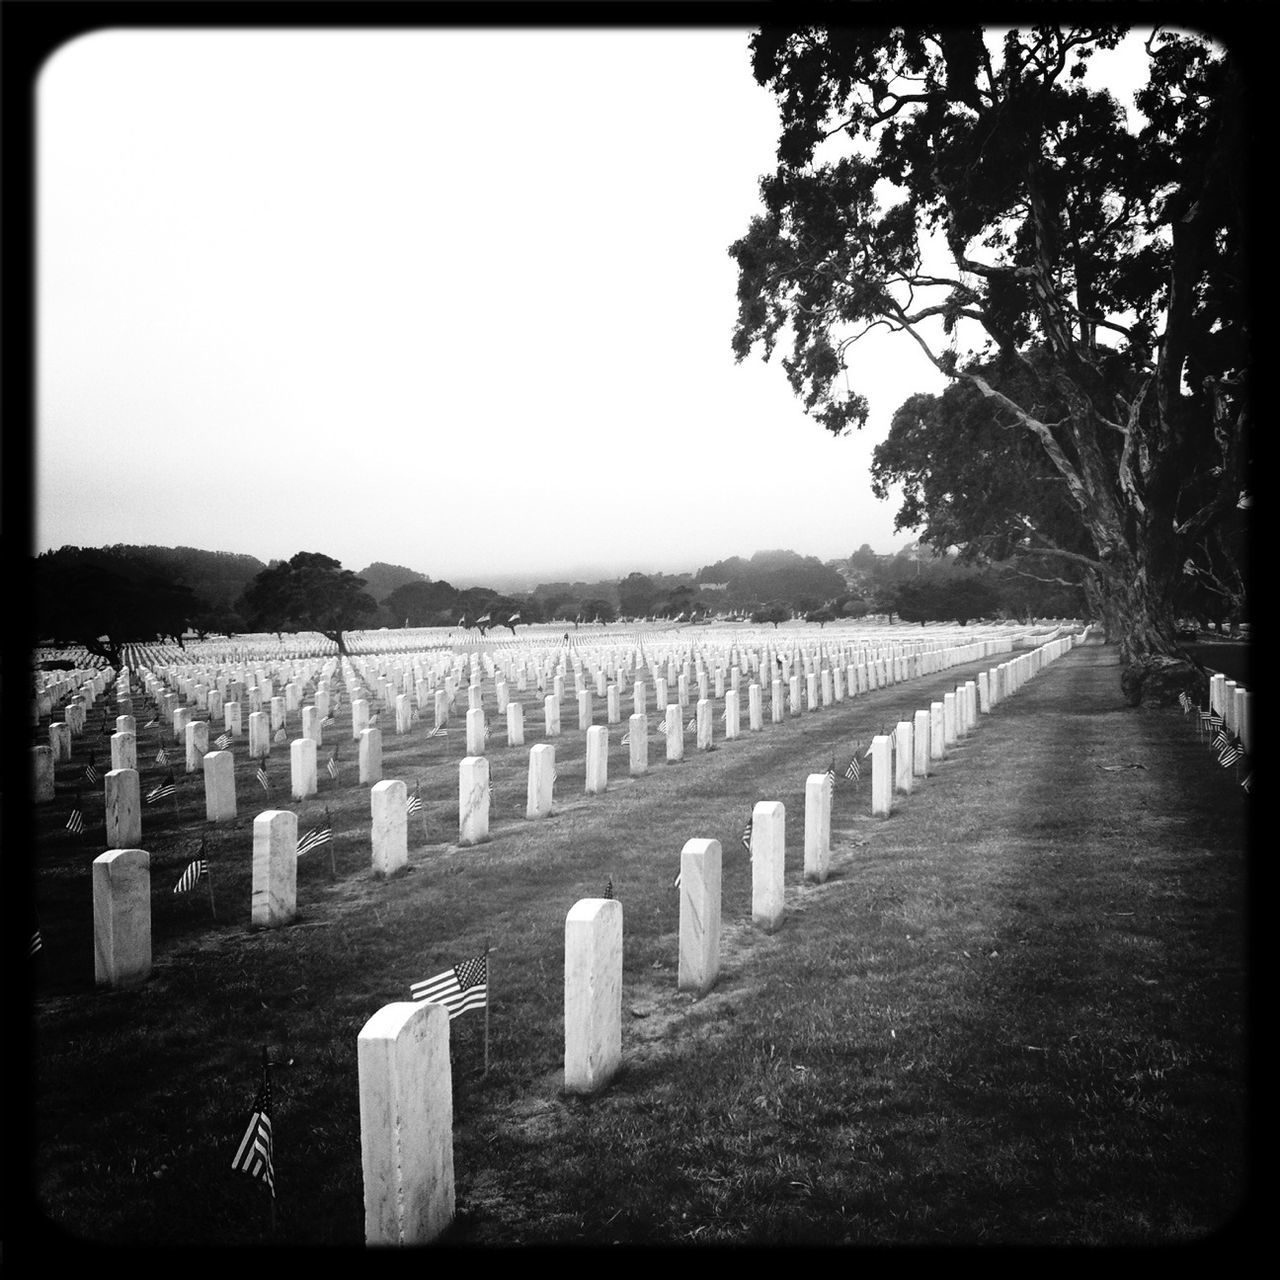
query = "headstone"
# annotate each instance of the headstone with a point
(755, 708)
(776, 710)
(390, 830)
(124, 749)
(592, 994)
(406, 1123)
(359, 718)
(613, 707)
(441, 709)
(597, 759)
(881, 776)
(259, 735)
(675, 734)
(949, 734)
(585, 710)
(551, 716)
(937, 731)
(122, 794)
(903, 756)
(121, 917)
(638, 698)
(370, 754)
(768, 864)
(473, 800)
(219, 786)
(920, 745)
(541, 789)
(302, 767)
(638, 744)
(476, 731)
(311, 724)
(704, 725)
(197, 743)
(42, 783)
(817, 827)
(181, 718)
(700, 867)
(274, 899)
(732, 714)
(60, 741)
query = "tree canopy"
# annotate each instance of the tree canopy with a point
(1084, 280)
(308, 592)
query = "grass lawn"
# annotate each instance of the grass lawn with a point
(1015, 1012)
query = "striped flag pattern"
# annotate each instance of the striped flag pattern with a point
(191, 876)
(163, 789)
(223, 741)
(254, 1155)
(317, 836)
(75, 823)
(465, 986)
(746, 833)
(415, 802)
(263, 780)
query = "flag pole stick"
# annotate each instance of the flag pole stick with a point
(488, 997)
(266, 1079)
(208, 875)
(333, 866)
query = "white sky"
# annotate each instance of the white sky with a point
(457, 300)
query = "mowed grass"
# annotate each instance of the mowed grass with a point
(1014, 1013)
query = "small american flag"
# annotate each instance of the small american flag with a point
(608, 889)
(465, 986)
(1185, 702)
(166, 788)
(692, 725)
(854, 771)
(415, 801)
(316, 837)
(626, 739)
(223, 741)
(831, 773)
(191, 876)
(263, 780)
(75, 823)
(675, 884)
(1230, 752)
(162, 757)
(746, 833)
(438, 732)
(332, 766)
(254, 1154)
(37, 943)
(1247, 781)
(91, 774)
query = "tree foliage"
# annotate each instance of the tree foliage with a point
(1084, 281)
(308, 592)
(105, 600)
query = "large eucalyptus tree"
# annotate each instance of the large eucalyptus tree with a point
(1084, 275)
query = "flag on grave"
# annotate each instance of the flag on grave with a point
(1247, 782)
(608, 889)
(167, 787)
(831, 773)
(91, 774)
(675, 884)
(626, 740)
(415, 801)
(190, 877)
(162, 757)
(263, 780)
(75, 823)
(1184, 702)
(316, 836)
(854, 771)
(151, 724)
(746, 833)
(438, 732)
(1230, 752)
(465, 986)
(332, 766)
(37, 942)
(254, 1156)
(223, 741)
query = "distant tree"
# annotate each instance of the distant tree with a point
(308, 592)
(820, 616)
(597, 610)
(774, 613)
(636, 594)
(381, 579)
(103, 609)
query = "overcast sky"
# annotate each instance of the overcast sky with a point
(456, 300)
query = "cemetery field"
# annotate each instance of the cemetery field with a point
(1014, 1012)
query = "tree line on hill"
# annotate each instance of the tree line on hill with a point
(103, 598)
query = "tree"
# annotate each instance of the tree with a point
(774, 613)
(308, 592)
(79, 600)
(636, 595)
(1096, 275)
